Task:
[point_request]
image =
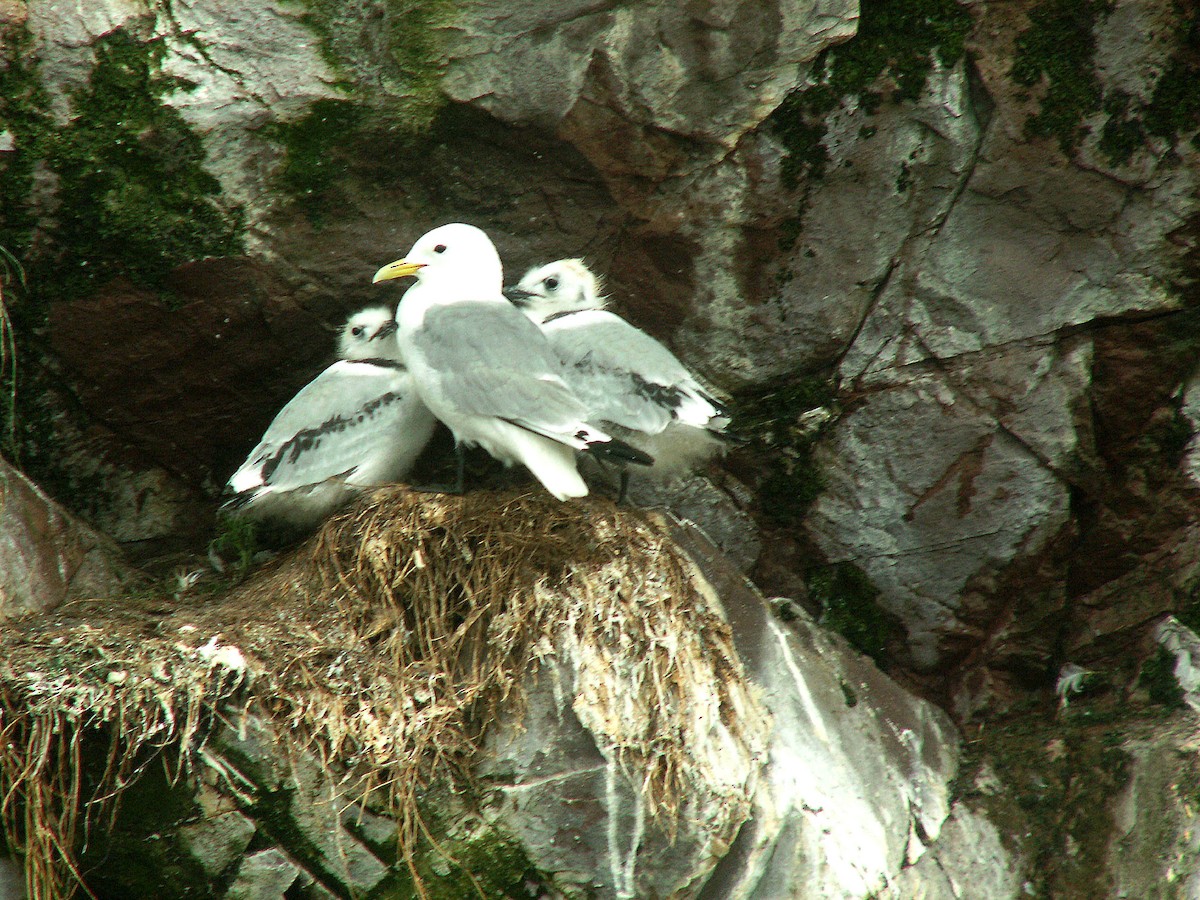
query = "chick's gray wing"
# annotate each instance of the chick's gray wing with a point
(326, 427)
(622, 374)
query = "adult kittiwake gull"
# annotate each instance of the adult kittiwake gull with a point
(632, 385)
(487, 372)
(357, 425)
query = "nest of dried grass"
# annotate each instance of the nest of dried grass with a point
(387, 643)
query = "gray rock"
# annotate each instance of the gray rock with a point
(12, 879)
(578, 813)
(858, 772)
(220, 837)
(909, 175)
(968, 859)
(935, 486)
(255, 760)
(264, 875)
(711, 71)
(714, 509)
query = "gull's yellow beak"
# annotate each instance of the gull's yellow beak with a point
(398, 269)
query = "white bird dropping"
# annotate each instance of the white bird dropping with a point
(484, 369)
(358, 424)
(631, 384)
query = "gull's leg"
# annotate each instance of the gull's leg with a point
(458, 487)
(621, 498)
(460, 454)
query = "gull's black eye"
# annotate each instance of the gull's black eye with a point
(357, 330)
(440, 248)
(551, 283)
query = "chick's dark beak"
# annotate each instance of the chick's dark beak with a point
(386, 329)
(518, 296)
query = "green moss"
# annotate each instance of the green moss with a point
(390, 55)
(1175, 104)
(1123, 134)
(314, 162)
(236, 539)
(849, 694)
(394, 49)
(786, 494)
(1169, 436)
(23, 115)
(1046, 783)
(138, 200)
(490, 867)
(482, 861)
(771, 420)
(140, 856)
(899, 37)
(12, 276)
(1057, 51)
(1158, 678)
(848, 603)
(1188, 612)
(801, 129)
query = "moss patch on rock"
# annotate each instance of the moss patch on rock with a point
(22, 116)
(1058, 52)
(135, 199)
(138, 201)
(1157, 678)
(390, 56)
(772, 420)
(391, 50)
(1058, 779)
(1174, 107)
(896, 39)
(1055, 57)
(849, 606)
(1047, 778)
(479, 861)
(139, 859)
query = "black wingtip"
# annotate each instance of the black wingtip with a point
(620, 452)
(732, 438)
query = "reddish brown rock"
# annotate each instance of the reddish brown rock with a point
(47, 557)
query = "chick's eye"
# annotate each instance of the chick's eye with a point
(440, 248)
(356, 330)
(551, 283)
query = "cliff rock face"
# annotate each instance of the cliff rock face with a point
(942, 256)
(47, 557)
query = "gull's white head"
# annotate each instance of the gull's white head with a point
(459, 260)
(369, 334)
(566, 285)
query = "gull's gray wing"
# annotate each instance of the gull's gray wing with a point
(489, 359)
